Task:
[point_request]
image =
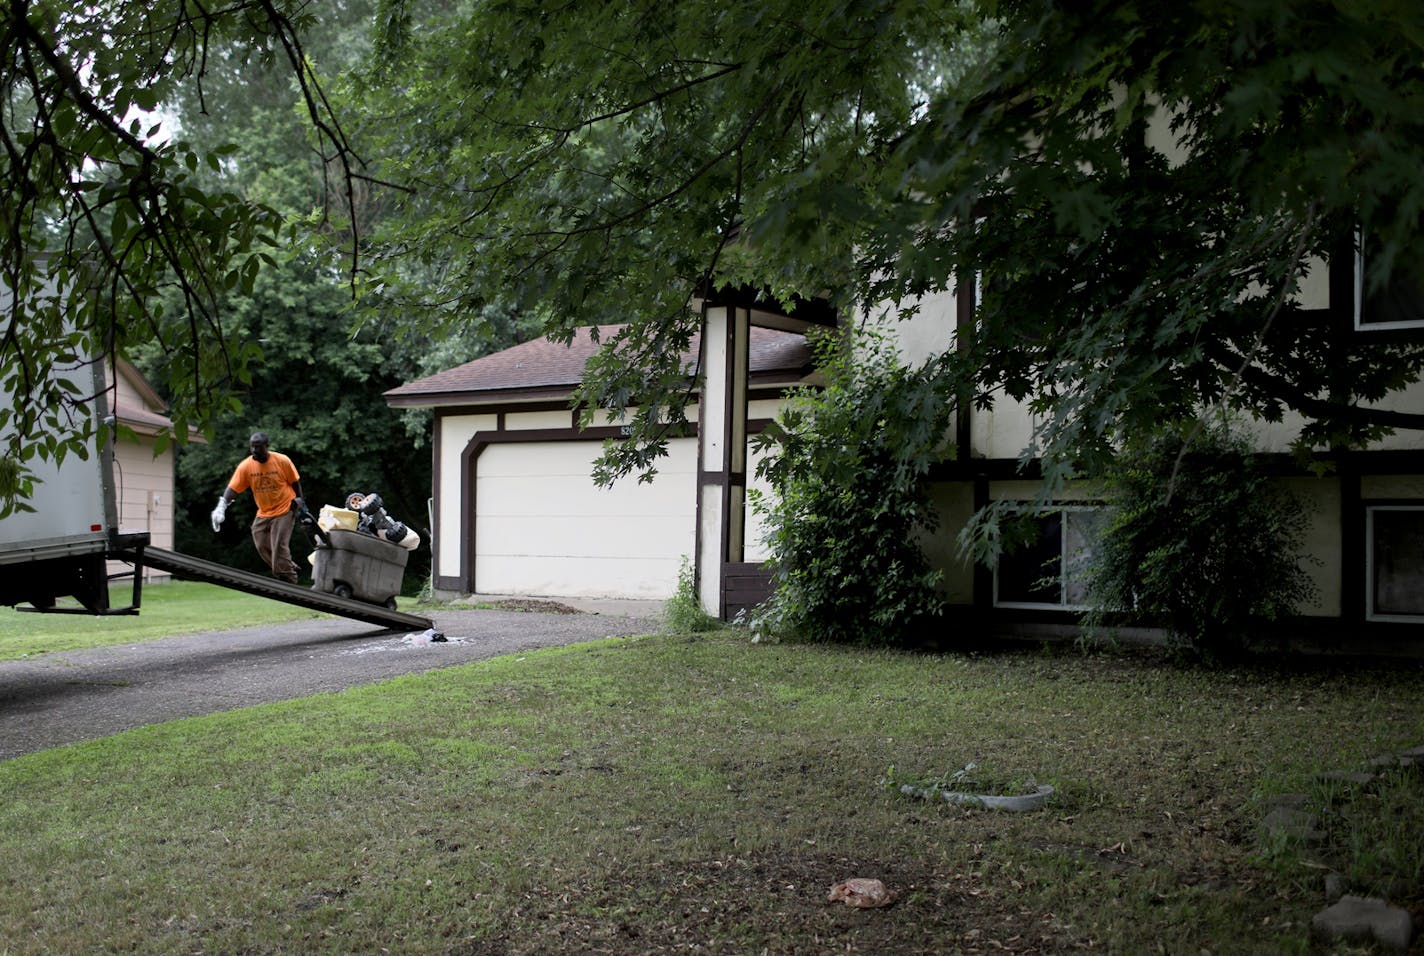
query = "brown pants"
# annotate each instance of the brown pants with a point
(272, 536)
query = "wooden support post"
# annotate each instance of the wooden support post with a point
(722, 450)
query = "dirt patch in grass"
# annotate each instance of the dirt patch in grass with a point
(530, 604)
(776, 903)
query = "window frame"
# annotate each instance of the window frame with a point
(1359, 297)
(1065, 509)
(1370, 613)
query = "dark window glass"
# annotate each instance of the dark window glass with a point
(1399, 304)
(1400, 301)
(1052, 570)
(1398, 561)
(1032, 573)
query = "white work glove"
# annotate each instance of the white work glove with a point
(218, 513)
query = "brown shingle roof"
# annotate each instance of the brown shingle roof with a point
(545, 369)
(145, 418)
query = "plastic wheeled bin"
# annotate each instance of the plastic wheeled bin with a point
(353, 564)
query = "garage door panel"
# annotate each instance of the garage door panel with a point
(544, 528)
(637, 578)
(563, 536)
(570, 459)
(575, 496)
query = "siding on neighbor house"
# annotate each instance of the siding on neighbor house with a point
(144, 482)
(145, 490)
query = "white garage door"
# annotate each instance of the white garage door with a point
(544, 528)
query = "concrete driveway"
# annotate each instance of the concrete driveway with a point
(65, 697)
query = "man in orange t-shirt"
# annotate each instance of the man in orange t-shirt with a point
(277, 491)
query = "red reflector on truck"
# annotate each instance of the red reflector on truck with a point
(96, 527)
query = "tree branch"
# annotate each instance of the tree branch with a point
(1306, 403)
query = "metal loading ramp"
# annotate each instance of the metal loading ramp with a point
(196, 569)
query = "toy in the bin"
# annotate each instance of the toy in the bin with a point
(374, 520)
(361, 552)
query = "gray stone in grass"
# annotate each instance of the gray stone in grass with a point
(1413, 757)
(1353, 778)
(1293, 824)
(1360, 919)
(1015, 804)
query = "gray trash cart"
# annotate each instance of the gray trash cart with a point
(353, 564)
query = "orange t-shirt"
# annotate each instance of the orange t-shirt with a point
(271, 483)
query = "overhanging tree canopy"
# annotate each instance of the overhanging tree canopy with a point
(602, 162)
(597, 162)
(605, 163)
(104, 217)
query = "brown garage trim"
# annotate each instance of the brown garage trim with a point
(964, 331)
(496, 408)
(556, 397)
(775, 389)
(469, 459)
(464, 580)
(753, 426)
(745, 584)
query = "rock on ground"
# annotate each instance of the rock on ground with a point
(1360, 919)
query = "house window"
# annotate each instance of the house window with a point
(1394, 537)
(1051, 570)
(1399, 305)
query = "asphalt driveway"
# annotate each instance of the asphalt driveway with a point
(65, 697)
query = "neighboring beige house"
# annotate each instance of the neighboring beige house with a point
(143, 480)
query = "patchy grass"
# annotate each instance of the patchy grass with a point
(168, 609)
(700, 794)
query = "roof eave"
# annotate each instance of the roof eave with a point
(483, 397)
(782, 377)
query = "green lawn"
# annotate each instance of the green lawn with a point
(679, 794)
(168, 609)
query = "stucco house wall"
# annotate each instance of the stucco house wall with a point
(1358, 552)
